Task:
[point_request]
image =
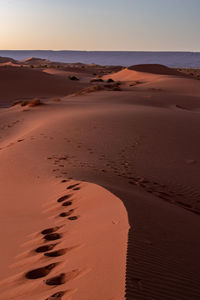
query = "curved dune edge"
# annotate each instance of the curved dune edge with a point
(87, 237)
(152, 82)
(127, 75)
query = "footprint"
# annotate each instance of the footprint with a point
(76, 189)
(56, 253)
(57, 296)
(136, 282)
(63, 198)
(132, 182)
(187, 205)
(45, 248)
(73, 218)
(164, 194)
(62, 278)
(41, 272)
(67, 203)
(66, 214)
(72, 186)
(50, 230)
(52, 236)
(57, 280)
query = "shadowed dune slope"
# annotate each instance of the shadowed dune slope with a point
(17, 83)
(155, 69)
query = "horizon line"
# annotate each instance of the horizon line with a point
(70, 50)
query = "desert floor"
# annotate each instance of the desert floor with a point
(100, 195)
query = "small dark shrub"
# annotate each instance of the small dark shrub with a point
(24, 103)
(35, 102)
(97, 80)
(56, 100)
(110, 80)
(73, 78)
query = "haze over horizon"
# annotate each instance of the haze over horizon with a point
(140, 25)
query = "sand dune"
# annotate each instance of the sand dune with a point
(85, 163)
(150, 82)
(55, 224)
(83, 77)
(36, 77)
(19, 83)
(127, 75)
(155, 69)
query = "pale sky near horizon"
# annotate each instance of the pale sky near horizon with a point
(134, 25)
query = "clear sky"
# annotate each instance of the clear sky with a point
(100, 24)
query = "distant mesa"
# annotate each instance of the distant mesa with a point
(4, 60)
(155, 69)
(36, 61)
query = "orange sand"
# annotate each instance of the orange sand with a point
(134, 151)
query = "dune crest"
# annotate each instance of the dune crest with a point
(75, 250)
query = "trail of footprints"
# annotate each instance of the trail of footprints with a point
(51, 238)
(123, 166)
(102, 163)
(185, 197)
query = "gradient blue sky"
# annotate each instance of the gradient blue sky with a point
(100, 25)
